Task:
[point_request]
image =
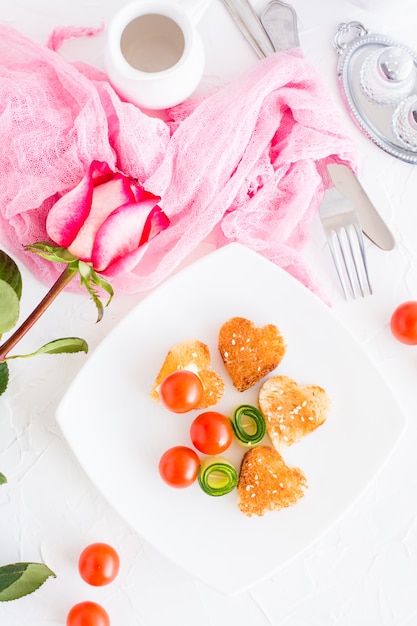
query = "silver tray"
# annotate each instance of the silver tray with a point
(354, 44)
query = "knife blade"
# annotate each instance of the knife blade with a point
(373, 226)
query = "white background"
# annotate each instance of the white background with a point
(361, 572)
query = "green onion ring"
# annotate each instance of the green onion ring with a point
(217, 476)
(256, 420)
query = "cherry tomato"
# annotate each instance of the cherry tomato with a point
(87, 614)
(178, 466)
(404, 323)
(211, 432)
(98, 564)
(181, 391)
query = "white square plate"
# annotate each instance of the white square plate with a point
(118, 433)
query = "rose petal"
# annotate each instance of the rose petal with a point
(67, 215)
(157, 221)
(106, 198)
(126, 230)
(125, 263)
(100, 172)
(141, 194)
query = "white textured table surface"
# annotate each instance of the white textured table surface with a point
(361, 572)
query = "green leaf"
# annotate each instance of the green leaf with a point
(9, 307)
(104, 284)
(20, 579)
(58, 346)
(65, 345)
(3, 479)
(85, 277)
(4, 377)
(50, 252)
(10, 273)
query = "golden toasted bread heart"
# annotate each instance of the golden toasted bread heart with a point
(192, 355)
(291, 411)
(249, 352)
(266, 483)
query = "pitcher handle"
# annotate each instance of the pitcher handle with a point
(195, 8)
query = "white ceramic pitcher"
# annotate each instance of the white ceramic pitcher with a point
(154, 54)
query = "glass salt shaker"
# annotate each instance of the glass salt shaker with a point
(404, 122)
(388, 75)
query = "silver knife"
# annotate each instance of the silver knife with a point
(372, 223)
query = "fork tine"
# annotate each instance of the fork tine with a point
(351, 259)
(359, 236)
(348, 253)
(336, 259)
(344, 236)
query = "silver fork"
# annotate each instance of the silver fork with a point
(344, 237)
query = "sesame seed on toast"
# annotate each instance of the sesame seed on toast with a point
(249, 352)
(291, 411)
(266, 483)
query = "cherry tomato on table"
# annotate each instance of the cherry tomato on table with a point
(181, 391)
(404, 323)
(211, 432)
(98, 564)
(87, 614)
(178, 466)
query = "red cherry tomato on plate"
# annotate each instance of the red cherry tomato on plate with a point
(181, 391)
(178, 466)
(404, 323)
(98, 564)
(211, 432)
(87, 614)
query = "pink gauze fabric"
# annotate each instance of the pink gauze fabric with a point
(240, 162)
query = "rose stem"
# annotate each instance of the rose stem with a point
(54, 291)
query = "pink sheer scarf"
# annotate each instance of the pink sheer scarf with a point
(239, 163)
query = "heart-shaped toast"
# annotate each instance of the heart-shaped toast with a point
(249, 352)
(192, 355)
(291, 411)
(266, 483)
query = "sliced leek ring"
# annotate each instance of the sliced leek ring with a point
(248, 425)
(217, 476)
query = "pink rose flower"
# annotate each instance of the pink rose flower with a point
(106, 220)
